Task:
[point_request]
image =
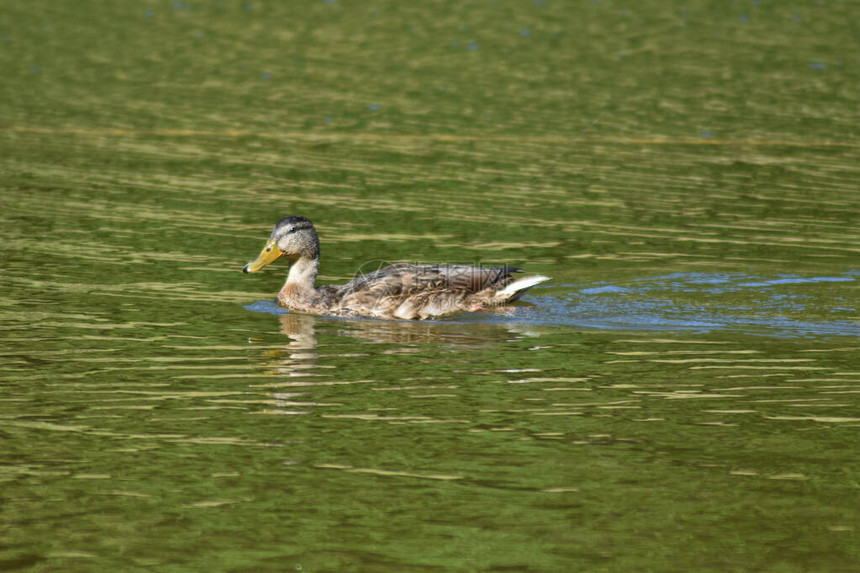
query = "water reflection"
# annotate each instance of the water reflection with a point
(301, 329)
(453, 333)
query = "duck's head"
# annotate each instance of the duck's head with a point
(293, 237)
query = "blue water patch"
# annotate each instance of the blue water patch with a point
(693, 278)
(797, 280)
(783, 305)
(266, 307)
(604, 289)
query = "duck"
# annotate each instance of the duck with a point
(402, 291)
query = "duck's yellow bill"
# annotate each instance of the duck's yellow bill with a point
(269, 253)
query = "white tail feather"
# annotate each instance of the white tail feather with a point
(520, 284)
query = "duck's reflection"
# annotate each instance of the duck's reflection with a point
(303, 330)
(299, 356)
(317, 347)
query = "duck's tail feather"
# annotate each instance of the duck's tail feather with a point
(519, 286)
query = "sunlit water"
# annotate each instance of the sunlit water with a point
(683, 395)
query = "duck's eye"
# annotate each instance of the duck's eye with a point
(292, 230)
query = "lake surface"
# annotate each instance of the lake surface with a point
(683, 395)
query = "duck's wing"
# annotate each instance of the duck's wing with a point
(403, 280)
(474, 279)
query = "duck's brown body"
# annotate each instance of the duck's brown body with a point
(405, 291)
(401, 290)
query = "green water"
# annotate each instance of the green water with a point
(683, 395)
